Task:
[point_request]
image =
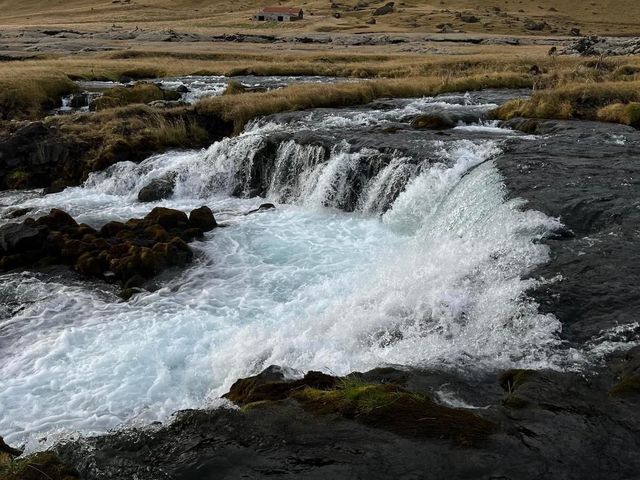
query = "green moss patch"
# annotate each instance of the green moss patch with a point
(628, 386)
(386, 406)
(40, 466)
(138, 93)
(391, 408)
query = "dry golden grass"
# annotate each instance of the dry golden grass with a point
(31, 91)
(582, 101)
(627, 114)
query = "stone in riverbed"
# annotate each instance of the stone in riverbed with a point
(168, 218)
(433, 122)
(17, 238)
(203, 219)
(157, 189)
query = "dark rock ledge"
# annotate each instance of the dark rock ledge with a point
(128, 253)
(386, 424)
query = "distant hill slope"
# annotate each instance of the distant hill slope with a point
(514, 17)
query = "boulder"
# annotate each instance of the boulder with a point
(385, 9)
(157, 189)
(168, 218)
(532, 25)
(16, 238)
(469, 19)
(203, 219)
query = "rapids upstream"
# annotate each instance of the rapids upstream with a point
(389, 246)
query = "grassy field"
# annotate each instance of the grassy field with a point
(614, 17)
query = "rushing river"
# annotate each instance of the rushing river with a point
(388, 246)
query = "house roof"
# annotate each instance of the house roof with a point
(286, 10)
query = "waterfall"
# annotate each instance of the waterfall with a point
(375, 255)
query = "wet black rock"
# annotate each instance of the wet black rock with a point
(585, 174)
(18, 237)
(157, 189)
(440, 121)
(262, 208)
(203, 219)
(533, 424)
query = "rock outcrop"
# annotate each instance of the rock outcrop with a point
(386, 424)
(385, 9)
(129, 253)
(596, 46)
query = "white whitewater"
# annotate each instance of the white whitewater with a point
(427, 272)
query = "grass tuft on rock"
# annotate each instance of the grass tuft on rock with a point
(40, 466)
(128, 95)
(606, 101)
(628, 386)
(389, 407)
(31, 93)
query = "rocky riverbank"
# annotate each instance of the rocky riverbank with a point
(389, 423)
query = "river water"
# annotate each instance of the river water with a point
(388, 246)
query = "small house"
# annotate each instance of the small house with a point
(279, 14)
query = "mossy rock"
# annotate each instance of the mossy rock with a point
(271, 386)
(18, 179)
(433, 122)
(391, 408)
(138, 93)
(511, 381)
(629, 386)
(40, 466)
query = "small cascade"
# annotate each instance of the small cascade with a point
(429, 270)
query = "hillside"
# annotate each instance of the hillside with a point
(515, 17)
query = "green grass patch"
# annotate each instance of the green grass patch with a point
(40, 466)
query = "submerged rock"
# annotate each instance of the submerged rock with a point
(262, 208)
(157, 189)
(433, 122)
(129, 252)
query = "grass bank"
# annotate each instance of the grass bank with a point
(606, 101)
(31, 92)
